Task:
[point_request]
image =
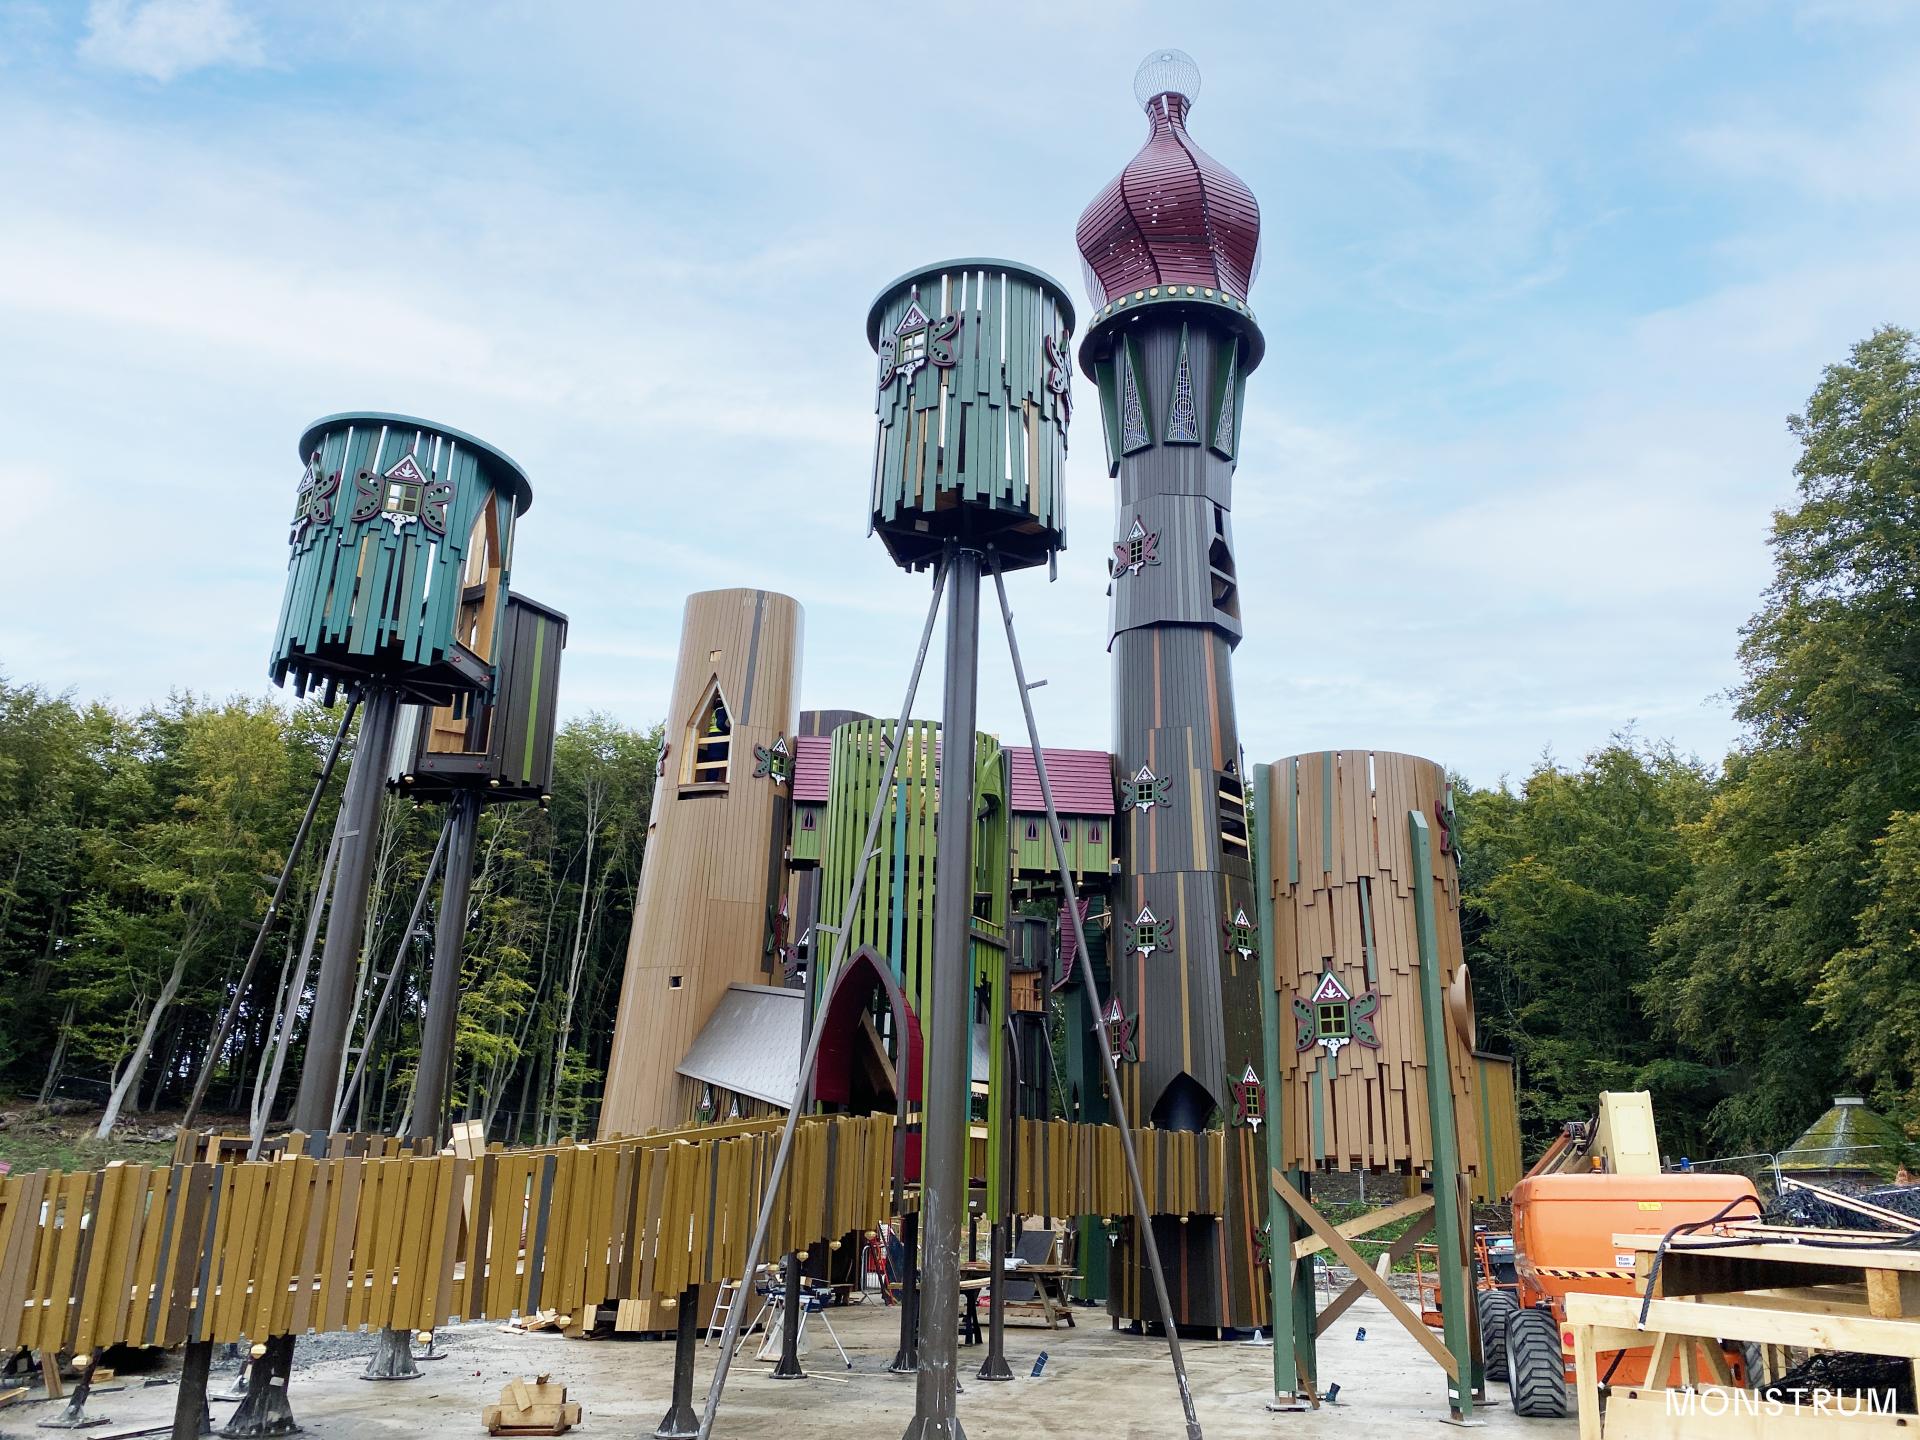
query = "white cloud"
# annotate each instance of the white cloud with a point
(1498, 494)
(162, 39)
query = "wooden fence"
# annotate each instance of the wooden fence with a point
(1063, 1168)
(225, 1249)
(159, 1255)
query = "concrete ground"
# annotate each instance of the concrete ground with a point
(1097, 1384)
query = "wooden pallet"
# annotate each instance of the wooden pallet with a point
(1772, 1286)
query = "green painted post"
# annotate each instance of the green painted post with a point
(1286, 1372)
(1455, 1296)
(1295, 1371)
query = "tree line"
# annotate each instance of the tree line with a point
(138, 851)
(1742, 938)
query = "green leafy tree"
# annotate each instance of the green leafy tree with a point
(1564, 884)
(1777, 949)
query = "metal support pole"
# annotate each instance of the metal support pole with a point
(191, 1419)
(392, 1358)
(946, 1004)
(1142, 1216)
(74, 1416)
(788, 1367)
(393, 978)
(265, 1411)
(1456, 1296)
(680, 1422)
(294, 850)
(995, 1367)
(340, 955)
(266, 1081)
(906, 1359)
(443, 990)
(1286, 1365)
(812, 1053)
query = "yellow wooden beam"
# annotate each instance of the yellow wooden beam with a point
(1365, 1224)
(1363, 1272)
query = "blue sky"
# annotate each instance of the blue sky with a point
(1541, 284)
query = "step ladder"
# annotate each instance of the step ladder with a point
(724, 1299)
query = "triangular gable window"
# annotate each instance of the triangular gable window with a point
(709, 748)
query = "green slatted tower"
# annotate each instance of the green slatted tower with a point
(973, 390)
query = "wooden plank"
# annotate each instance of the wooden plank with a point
(1365, 1224)
(343, 1223)
(1619, 1317)
(1398, 1250)
(186, 1253)
(1893, 1294)
(145, 1274)
(1364, 1273)
(321, 1206)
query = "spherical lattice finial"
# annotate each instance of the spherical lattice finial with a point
(1166, 72)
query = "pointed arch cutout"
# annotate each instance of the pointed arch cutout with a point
(837, 1070)
(708, 750)
(852, 991)
(1185, 1104)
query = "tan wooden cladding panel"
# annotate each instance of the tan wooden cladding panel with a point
(1498, 1115)
(163, 1254)
(712, 867)
(1064, 1168)
(159, 1255)
(1344, 905)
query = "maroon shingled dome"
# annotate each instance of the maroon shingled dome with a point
(1175, 215)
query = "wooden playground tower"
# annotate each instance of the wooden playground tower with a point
(973, 398)
(397, 594)
(1287, 945)
(1219, 951)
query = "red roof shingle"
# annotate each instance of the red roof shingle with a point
(1082, 781)
(812, 765)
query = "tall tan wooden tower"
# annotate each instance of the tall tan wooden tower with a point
(707, 915)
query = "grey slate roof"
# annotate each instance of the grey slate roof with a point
(751, 1043)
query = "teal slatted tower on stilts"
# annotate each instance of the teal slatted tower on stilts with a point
(395, 524)
(401, 544)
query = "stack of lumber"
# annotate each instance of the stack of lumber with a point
(537, 1408)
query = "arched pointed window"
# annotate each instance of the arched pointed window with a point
(709, 747)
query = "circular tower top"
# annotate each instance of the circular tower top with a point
(1175, 215)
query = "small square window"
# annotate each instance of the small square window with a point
(673, 982)
(807, 821)
(403, 498)
(1033, 829)
(1332, 1019)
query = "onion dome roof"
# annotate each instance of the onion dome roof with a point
(1175, 215)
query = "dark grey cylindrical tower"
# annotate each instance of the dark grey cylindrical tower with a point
(1171, 246)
